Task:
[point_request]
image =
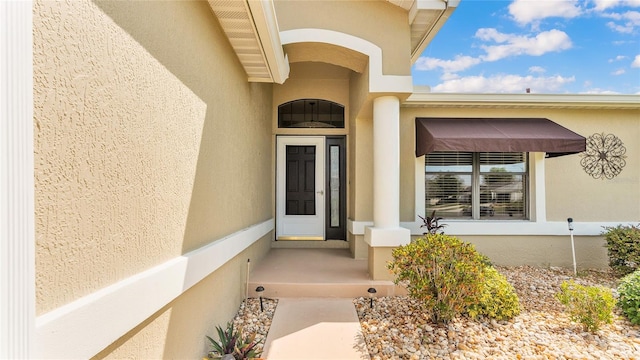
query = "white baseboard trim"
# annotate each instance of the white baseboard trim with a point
(83, 328)
(501, 228)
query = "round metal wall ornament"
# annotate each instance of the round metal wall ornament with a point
(604, 157)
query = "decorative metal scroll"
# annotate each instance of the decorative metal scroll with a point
(604, 157)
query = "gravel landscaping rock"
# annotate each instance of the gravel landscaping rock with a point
(252, 320)
(396, 328)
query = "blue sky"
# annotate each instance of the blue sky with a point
(549, 46)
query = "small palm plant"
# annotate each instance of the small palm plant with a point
(232, 342)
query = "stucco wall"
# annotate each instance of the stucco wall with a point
(363, 190)
(542, 251)
(570, 192)
(389, 31)
(144, 134)
(308, 80)
(178, 330)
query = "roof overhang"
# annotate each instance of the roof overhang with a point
(426, 17)
(523, 101)
(252, 30)
(496, 135)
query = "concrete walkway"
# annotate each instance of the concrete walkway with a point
(315, 328)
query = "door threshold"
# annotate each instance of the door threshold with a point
(300, 238)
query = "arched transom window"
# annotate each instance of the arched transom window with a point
(310, 113)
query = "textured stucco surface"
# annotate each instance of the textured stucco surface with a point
(542, 251)
(177, 331)
(116, 144)
(390, 31)
(570, 192)
(149, 143)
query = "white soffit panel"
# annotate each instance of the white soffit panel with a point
(426, 17)
(250, 28)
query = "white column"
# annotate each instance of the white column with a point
(17, 240)
(386, 229)
(386, 162)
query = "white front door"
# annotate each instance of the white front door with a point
(300, 189)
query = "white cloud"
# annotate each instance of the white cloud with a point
(503, 84)
(606, 4)
(617, 58)
(618, 72)
(598, 91)
(530, 11)
(625, 22)
(537, 69)
(449, 76)
(513, 45)
(459, 63)
(636, 62)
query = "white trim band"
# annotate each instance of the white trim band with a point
(501, 228)
(76, 330)
(378, 82)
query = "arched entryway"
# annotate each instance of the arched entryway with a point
(311, 173)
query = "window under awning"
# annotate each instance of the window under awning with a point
(496, 135)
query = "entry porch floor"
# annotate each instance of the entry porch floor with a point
(329, 273)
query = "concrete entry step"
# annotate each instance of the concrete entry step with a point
(315, 273)
(314, 329)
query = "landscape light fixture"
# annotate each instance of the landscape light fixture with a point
(259, 290)
(372, 292)
(573, 248)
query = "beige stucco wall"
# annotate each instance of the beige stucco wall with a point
(142, 131)
(178, 330)
(309, 80)
(538, 251)
(543, 251)
(570, 192)
(390, 30)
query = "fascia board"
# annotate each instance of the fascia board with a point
(266, 24)
(446, 9)
(524, 100)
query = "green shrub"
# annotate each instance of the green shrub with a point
(623, 247)
(629, 300)
(592, 306)
(498, 300)
(441, 272)
(233, 342)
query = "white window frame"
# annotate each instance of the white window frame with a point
(475, 173)
(536, 203)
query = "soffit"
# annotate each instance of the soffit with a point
(252, 29)
(426, 17)
(234, 17)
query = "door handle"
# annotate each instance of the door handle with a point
(321, 192)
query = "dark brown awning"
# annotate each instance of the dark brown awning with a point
(496, 135)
